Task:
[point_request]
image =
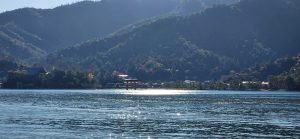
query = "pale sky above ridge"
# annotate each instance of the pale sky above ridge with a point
(8, 5)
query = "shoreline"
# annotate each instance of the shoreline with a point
(142, 89)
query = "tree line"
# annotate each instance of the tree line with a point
(58, 79)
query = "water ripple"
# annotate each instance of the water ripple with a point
(148, 114)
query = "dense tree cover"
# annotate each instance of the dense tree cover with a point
(7, 64)
(282, 73)
(58, 79)
(261, 72)
(192, 6)
(31, 34)
(201, 46)
(180, 60)
(288, 80)
(16, 42)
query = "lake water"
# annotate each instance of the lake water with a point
(148, 114)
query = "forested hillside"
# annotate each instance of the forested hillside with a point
(7, 64)
(201, 46)
(30, 34)
(282, 73)
(19, 43)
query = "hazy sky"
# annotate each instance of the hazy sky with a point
(7, 5)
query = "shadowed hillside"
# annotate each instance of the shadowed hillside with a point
(37, 32)
(201, 46)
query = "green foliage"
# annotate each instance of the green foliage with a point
(288, 80)
(59, 80)
(284, 82)
(18, 43)
(201, 46)
(20, 80)
(30, 34)
(7, 64)
(261, 72)
(68, 79)
(282, 73)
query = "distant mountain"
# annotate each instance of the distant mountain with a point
(202, 46)
(17, 42)
(193, 6)
(37, 32)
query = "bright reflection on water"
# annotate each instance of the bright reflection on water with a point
(148, 114)
(155, 92)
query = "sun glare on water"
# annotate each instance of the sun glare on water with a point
(156, 92)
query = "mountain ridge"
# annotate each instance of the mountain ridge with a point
(225, 37)
(68, 25)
